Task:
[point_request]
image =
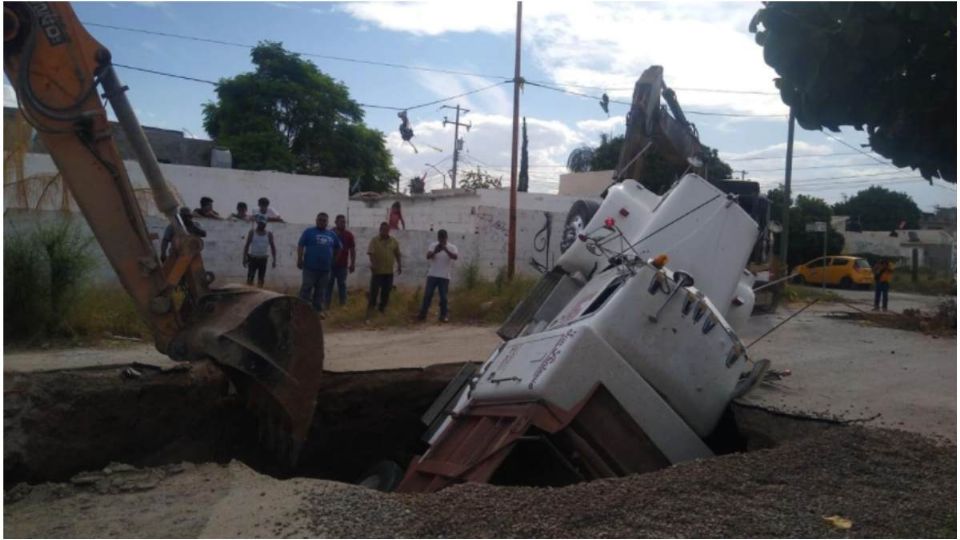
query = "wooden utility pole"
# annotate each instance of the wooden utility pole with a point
(456, 139)
(512, 233)
(785, 234)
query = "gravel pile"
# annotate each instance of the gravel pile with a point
(888, 483)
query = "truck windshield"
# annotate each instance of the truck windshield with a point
(862, 263)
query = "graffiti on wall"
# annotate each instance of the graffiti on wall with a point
(541, 245)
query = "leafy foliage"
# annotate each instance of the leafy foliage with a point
(804, 246)
(416, 185)
(43, 271)
(880, 209)
(480, 179)
(889, 67)
(658, 175)
(289, 116)
(581, 159)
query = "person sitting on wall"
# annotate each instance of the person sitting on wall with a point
(263, 208)
(395, 217)
(241, 212)
(206, 209)
(255, 251)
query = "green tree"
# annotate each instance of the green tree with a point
(658, 175)
(804, 246)
(416, 185)
(287, 115)
(889, 67)
(880, 209)
(523, 179)
(581, 159)
(480, 179)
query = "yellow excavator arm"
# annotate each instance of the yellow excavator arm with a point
(650, 129)
(270, 345)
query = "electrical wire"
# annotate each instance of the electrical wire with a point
(366, 105)
(686, 111)
(795, 156)
(403, 66)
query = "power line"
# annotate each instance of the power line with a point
(155, 72)
(401, 66)
(795, 156)
(313, 55)
(701, 113)
(366, 105)
(820, 167)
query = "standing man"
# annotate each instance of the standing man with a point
(383, 251)
(344, 262)
(315, 253)
(255, 251)
(186, 216)
(882, 274)
(441, 256)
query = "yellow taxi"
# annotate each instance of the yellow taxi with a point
(840, 270)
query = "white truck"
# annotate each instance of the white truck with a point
(625, 355)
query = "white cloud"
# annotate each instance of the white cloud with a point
(608, 45)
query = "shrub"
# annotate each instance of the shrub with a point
(44, 272)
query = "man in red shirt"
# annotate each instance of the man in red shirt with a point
(343, 263)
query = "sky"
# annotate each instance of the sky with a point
(587, 48)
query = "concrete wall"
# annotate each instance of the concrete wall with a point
(298, 198)
(223, 246)
(453, 210)
(934, 247)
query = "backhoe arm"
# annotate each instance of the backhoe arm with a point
(651, 129)
(271, 345)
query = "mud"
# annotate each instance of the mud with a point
(58, 424)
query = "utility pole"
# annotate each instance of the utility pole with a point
(456, 139)
(785, 234)
(743, 174)
(512, 232)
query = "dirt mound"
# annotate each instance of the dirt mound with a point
(888, 483)
(939, 323)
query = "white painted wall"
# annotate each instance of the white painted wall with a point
(223, 246)
(298, 198)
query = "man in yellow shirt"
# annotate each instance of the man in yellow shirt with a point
(383, 251)
(882, 274)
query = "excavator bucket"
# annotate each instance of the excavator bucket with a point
(271, 346)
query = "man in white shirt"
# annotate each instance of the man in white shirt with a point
(441, 256)
(263, 208)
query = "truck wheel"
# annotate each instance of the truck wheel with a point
(846, 282)
(799, 279)
(577, 218)
(384, 476)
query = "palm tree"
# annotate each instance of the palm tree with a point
(580, 159)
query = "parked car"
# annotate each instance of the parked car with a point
(839, 270)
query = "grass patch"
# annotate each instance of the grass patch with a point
(44, 272)
(474, 301)
(103, 312)
(796, 293)
(928, 282)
